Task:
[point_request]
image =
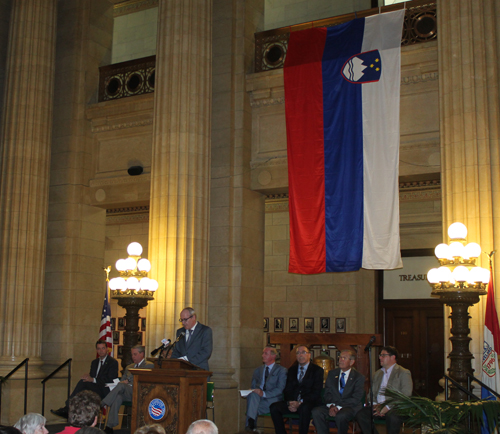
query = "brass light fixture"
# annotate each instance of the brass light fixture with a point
(133, 290)
(459, 282)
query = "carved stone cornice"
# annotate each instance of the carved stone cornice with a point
(422, 78)
(426, 190)
(122, 126)
(125, 215)
(275, 161)
(130, 6)
(118, 180)
(266, 102)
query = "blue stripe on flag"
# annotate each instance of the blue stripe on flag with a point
(342, 114)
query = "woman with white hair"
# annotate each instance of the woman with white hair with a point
(32, 423)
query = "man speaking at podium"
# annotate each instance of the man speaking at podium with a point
(194, 340)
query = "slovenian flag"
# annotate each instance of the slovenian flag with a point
(342, 119)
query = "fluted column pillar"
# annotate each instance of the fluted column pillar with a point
(25, 141)
(179, 214)
(468, 45)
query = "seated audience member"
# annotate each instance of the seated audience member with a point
(392, 376)
(84, 410)
(154, 428)
(32, 423)
(268, 382)
(103, 370)
(203, 426)
(4, 429)
(302, 392)
(90, 430)
(123, 390)
(344, 390)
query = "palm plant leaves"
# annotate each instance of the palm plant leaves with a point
(442, 417)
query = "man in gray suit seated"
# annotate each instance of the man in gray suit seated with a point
(123, 390)
(268, 382)
(344, 389)
(392, 376)
(195, 345)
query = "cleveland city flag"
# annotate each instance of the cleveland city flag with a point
(342, 120)
(491, 348)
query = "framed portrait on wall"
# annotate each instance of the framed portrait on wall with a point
(266, 324)
(278, 324)
(116, 338)
(309, 325)
(293, 325)
(325, 325)
(340, 325)
(119, 351)
(121, 323)
(143, 324)
(113, 324)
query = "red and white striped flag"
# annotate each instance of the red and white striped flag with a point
(105, 333)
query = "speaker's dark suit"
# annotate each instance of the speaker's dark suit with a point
(310, 393)
(107, 373)
(350, 401)
(199, 347)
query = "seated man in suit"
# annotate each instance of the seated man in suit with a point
(392, 376)
(123, 390)
(268, 382)
(103, 370)
(195, 345)
(344, 389)
(302, 392)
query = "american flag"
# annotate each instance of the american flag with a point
(105, 333)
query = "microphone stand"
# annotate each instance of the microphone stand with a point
(369, 349)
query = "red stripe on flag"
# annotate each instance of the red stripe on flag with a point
(491, 317)
(304, 129)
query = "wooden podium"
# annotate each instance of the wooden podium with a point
(173, 396)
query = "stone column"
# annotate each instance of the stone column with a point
(468, 45)
(179, 214)
(25, 141)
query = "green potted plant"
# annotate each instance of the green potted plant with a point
(443, 417)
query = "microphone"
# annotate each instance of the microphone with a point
(370, 343)
(163, 345)
(179, 337)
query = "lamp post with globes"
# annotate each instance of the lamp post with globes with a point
(459, 282)
(133, 290)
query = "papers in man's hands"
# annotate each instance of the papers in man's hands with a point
(245, 393)
(113, 384)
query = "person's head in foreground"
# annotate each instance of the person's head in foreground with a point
(32, 423)
(203, 426)
(84, 409)
(154, 428)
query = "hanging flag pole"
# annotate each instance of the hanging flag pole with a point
(105, 333)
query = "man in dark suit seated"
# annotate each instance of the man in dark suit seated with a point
(103, 370)
(392, 376)
(196, 344)
(344, 389)
(302, 392)
(268, 382)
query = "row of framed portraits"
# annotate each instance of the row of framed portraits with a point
(308, 325)
(118, 338)
(120, 323)
(316, 350)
